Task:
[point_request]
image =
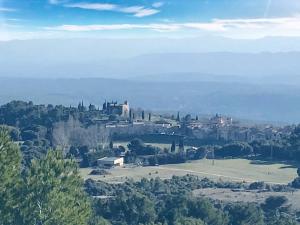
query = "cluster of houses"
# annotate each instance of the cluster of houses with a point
(217, 127)
(224, 128)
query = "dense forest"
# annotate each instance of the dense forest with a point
(50, 191)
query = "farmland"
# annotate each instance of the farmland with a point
(238, 170)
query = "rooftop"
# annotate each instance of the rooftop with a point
(109, 158)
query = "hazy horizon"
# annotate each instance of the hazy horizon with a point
(234, 57)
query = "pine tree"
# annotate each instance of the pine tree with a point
(150, 115)
(10, 167)
(53, 193)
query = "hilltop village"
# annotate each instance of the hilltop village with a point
(122, 121)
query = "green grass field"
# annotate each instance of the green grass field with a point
(240, 170)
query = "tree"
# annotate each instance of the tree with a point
(143, 115)
(173, 146)
(188, 118)
(136, 145)
(53, 193)
(98, 221)
(181, 145)
(111, 144)
(275, 202)
(298, 172)
(74, 151)
(178, 117)
(245, 214)
(134, 209)
(203, 209)
(92, 107)
(149, 117)
(236, 149)
(188, 221)
(296, 183)
(10, 167)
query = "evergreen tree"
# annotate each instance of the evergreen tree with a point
(188, 221)
(173, 146)
(150, 115)
(10, 167)
(143, 115)
(181, 145)
(178, 117)
(53, 193)
(111, 144)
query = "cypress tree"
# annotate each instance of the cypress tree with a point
(111, 145)
(173, 146)
(181, 145)
(143, 115)
(178, 117)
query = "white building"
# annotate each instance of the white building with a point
(110, 162)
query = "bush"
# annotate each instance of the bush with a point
(275, 202)
(238, 149)
(296, 183)
(257, 185)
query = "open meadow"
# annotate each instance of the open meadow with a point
(238, 170)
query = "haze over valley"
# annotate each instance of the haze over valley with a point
(248, 79)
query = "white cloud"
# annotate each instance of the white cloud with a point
(2, 9)
(137, 11)
(56, 2)
(145, 12)
(94, 6)
(80, 28)
(158, 4)
(237, 28)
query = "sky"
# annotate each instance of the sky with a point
(248, 19)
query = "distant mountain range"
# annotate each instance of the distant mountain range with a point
(138, 58)
(201, 75)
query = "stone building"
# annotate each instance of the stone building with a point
(113, 108)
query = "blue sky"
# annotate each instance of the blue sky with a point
(24, 19)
